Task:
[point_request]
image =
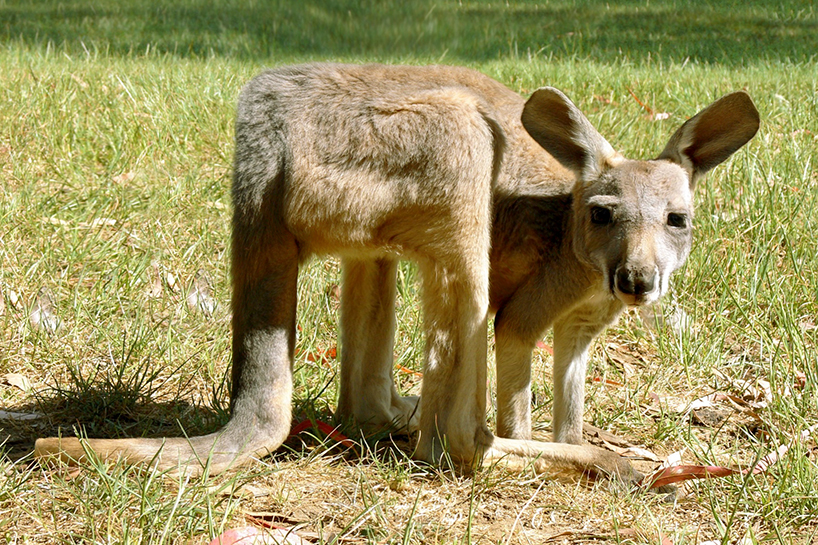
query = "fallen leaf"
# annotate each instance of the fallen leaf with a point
(334, 292)
(42, 316)
(170, 280)
(99, 222)
(633, 453)
(12, 415)
(200, 298)
(53, 220)
(320, 356)
(17, 380)
(271, 519)
(125, 177)
(155, 289)
(651, 114)
(605, 436)
(408, 371)
(678, 474)
(324, 428)
(14, 300)
(800, 379)
(665, 315)
(605, 381)
(542, 346)
(250, 535)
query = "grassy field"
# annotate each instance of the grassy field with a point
(115, 152)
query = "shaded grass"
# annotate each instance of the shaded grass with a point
(731, 32)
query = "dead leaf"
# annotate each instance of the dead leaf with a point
(646, 536)
(17, 380)
(79, 81)
(680, 473)
(633, 453)
(170, 280)
(155, 289)
(605, 381)
(250, 535)
(666, 315)
(320, 356)
(42, 316)
(125, 177)
(651, 114)
(542, 346)
(53, 220)
(605, 436)
(12, 415)
(324, 428)
(200, 298)
(334, 292)
(99, 222)
(15, 301)
(408, 371)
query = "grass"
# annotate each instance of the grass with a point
(115, 153)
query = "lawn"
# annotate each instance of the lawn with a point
(115, 156)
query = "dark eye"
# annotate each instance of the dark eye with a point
(601, 215)
(677, 220)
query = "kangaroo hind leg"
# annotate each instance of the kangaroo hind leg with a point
(367, 392)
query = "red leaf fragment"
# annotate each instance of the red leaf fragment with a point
(677, 474)
(605, 381)
(680, 473)
(324, 428)
(542, 346)
(408, 371)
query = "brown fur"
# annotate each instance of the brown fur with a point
(512, 207)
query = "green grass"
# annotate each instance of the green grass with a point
(115, 152)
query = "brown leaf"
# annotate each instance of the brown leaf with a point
(200, 298)
(605, 436)
(678, 474)
(17, 380)
(155, 288)
(42, 316)
(125, 177)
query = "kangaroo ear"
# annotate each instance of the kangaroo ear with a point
(563, 131)
(712, 135)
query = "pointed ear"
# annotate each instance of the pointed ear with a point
(563, 131)
(713, 134)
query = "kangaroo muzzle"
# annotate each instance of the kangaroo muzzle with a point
(636, 286)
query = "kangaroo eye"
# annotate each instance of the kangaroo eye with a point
(601, 215)
(677, 220)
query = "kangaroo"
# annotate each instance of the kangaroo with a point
(520, 208)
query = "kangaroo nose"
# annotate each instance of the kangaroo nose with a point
(633, 282)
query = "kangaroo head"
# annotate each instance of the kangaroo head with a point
(632, 219)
